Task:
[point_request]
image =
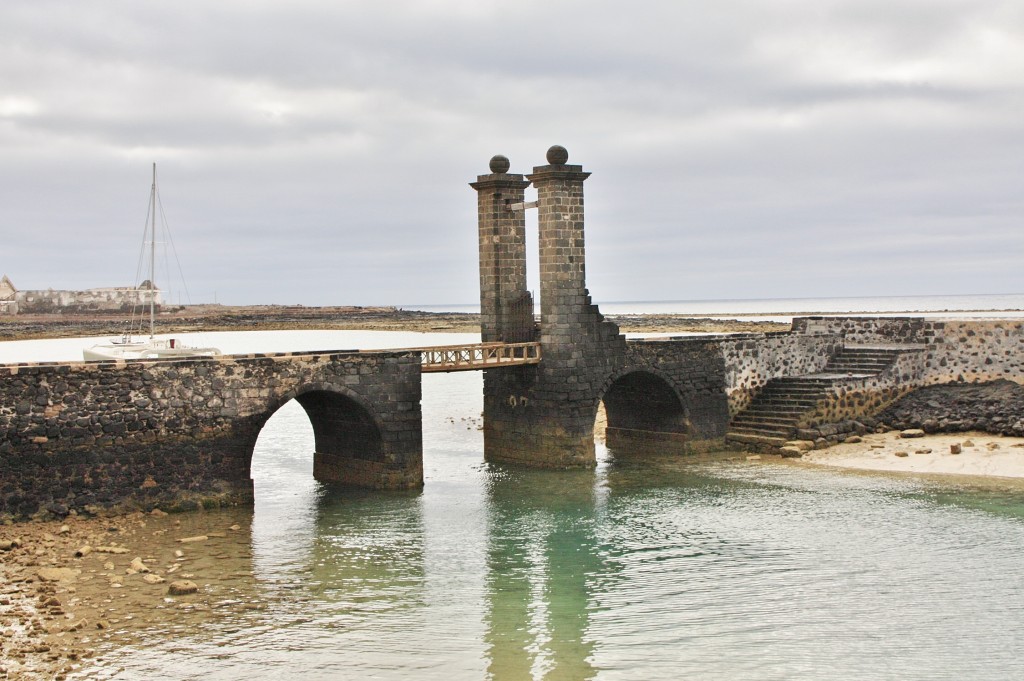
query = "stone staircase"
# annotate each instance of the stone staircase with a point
(771, 418)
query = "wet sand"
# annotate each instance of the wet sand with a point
(70, 589)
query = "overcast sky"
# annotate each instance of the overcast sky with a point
(318, 151)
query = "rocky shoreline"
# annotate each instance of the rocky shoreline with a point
(204, 318)
(70, 589)
(996, 407)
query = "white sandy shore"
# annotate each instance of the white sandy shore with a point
(982, 454)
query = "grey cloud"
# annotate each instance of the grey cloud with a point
(326, 146)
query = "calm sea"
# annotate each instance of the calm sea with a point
(651, 567)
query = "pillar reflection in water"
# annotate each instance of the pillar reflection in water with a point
(541, 561)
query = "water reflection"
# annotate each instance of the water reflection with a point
(541, 561)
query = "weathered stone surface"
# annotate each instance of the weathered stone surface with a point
(58, 574)
(182, 587)
(911, 433)
(955, 448)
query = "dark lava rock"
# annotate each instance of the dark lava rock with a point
(996, 407)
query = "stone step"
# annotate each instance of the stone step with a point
(792, 389)
(858, 361)
(792, 415)
(749, 439)
(812, 396)
(788, 402)
(854, 368)
(800, 381)
(757, 419)
(769, 431)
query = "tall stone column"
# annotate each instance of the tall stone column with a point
(506, 307)
(562, 254)
(544, 415)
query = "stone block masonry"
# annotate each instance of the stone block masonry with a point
(544, 415)
(86, 436)
(964, 350)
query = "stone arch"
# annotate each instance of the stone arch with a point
(645, 411)
(346, 429)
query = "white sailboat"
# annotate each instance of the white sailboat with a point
(127, 346)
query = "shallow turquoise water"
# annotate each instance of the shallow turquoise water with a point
(646, 568)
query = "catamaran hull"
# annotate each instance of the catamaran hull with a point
(155, 350)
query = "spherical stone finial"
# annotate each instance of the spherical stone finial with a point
(558, 155)
(500, 164)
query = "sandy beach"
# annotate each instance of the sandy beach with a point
(980, 454)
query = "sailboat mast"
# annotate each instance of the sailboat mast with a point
(152, 263)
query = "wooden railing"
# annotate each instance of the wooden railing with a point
(478, 356)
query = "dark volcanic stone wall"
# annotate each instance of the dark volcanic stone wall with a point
(94, 435)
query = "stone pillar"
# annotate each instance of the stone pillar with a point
(562, 258)
(544, 415)
(506, 307)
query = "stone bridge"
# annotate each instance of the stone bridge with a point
(79, 435)
(182, 433)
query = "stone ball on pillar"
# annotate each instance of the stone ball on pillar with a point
(558, 155)
(500, 164)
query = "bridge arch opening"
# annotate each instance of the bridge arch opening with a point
(644, 413)
(343, 430)
(324, 431)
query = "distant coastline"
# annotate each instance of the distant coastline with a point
(204, 318)
(776, 309)
(693, 316)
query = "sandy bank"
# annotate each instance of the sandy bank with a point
(980, 454)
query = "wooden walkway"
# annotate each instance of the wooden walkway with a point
(478, 356)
